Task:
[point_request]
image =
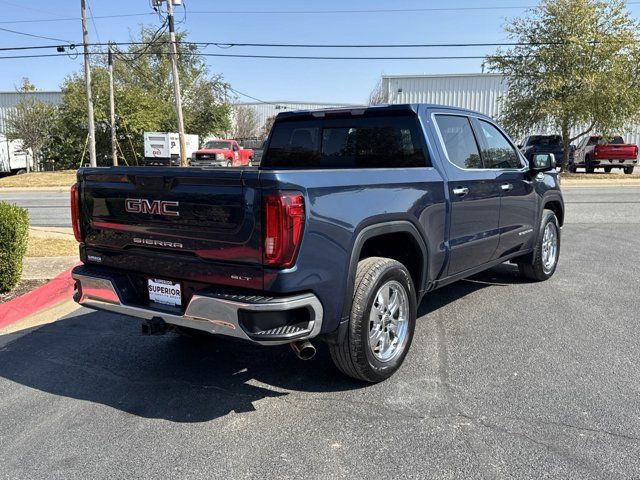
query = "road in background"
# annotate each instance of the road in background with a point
(51, 209)
(505, 379)
(46, 208)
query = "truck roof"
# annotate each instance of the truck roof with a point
(362, 109)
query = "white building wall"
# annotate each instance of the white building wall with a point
(9, 100)
(480, 92)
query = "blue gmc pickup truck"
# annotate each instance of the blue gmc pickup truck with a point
(352, 217)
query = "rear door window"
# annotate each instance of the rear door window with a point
(459, 141)
(353, 142)
(497, 152)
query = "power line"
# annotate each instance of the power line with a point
(93, 21)
(300, 12)
(372, 45)
(380, 10)
(75, 19)
(34, 35)
(249, 96)
(39, 10)
(285, 57)
(158, 33)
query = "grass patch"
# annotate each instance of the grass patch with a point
(64, 178)
(51, 247)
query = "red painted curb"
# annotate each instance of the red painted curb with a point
(42, 297)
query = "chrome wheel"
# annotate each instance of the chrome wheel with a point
(549, 247)
(388, 321)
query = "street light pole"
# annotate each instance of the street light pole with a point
(87, 81)
(112, 110)
(176, 83)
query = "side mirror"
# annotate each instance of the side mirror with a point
(542, 162)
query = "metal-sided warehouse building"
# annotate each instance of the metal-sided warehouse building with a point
(476, 91)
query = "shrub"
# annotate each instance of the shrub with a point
(14, 231)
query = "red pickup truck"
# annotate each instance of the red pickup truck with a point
(223, 153)
(605, 152)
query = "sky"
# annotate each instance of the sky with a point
(246, 21)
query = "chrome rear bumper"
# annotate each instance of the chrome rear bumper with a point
(220, 314)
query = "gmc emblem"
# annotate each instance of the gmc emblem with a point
(155, 207)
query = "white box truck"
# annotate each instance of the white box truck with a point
(163, 148)
(13, 158)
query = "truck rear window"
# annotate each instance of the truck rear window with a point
(606, 141)
(353, 142)
(545, 140)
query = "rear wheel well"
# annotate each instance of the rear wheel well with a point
(556, 207)
(400, 246)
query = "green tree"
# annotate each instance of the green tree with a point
(143, 99)
(268, 125)
(30, 121)
(575, 67)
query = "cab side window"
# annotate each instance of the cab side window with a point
(459, 141)
(498, 152)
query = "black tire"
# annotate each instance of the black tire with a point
(628, 170)
(354, 356)
(229, 163)
(588, 168)
(607, 169)
(22, 171)
(533, 266)
(571, 168)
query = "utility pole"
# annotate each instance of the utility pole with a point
(112, 109)
(176, 83)
(87, 81)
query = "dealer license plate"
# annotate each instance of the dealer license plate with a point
(164, 292)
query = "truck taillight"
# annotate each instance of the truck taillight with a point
(75, 212)
(283, 226)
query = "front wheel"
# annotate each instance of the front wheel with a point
(381, 324)
(542, 263)
(229, 164)
(628, 170)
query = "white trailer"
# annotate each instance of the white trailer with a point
(163, 148)
(13, 158)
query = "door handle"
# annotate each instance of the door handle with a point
(506, 187)
(460, 191)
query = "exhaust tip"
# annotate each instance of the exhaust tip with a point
(303, 349)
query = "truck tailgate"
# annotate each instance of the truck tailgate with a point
(616, 152)
(177, 223)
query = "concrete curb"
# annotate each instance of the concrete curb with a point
(49, 294)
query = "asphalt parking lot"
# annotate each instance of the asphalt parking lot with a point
(505, 379)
